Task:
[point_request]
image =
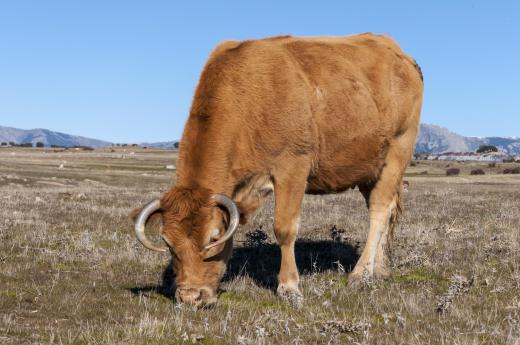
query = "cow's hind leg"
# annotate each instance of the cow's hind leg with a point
(383, 201)
(289, 189)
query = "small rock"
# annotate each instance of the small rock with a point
(196, 338)
(80, 196)
(170, 167)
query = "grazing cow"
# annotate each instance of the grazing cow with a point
(294, 115)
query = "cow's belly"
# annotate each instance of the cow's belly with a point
(353, 136)
(340, 177)
(346, 166)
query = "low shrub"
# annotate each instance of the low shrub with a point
(256, 238)
(492, 165)
(477, 172)
(452, 171)
(515, 170)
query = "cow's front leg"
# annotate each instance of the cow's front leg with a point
(289, 191)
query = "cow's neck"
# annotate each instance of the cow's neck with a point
(205, 159)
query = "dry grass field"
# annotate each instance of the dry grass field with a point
(72, 272)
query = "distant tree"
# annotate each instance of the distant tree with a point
(176, 145)
(12, 143)
(487, 148)
(39, 144)
(4, 143)
(26, 145)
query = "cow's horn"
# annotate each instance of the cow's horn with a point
(234, 217)
(140, 222)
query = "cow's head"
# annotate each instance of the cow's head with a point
(198, 227)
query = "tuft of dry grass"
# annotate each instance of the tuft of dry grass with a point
(72, 272)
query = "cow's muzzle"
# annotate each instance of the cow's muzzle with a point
(200, 297)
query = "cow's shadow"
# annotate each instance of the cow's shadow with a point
(261, 263)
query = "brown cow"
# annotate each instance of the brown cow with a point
(293, 115)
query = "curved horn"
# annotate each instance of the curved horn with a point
(234, 217)
(140, 222)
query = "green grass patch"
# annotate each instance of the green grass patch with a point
(231, 297)
(8, 294)
(105, 244)
(419, 276)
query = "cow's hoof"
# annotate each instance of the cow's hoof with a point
(367, 279)
(290, 295)
(360, 279)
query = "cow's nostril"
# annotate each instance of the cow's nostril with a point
(190, 296)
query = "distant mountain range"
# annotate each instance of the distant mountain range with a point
(47, 137)
(436, 139)
(432, 139)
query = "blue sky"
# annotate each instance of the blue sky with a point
(125, 71)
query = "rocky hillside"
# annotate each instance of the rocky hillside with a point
(436, 139)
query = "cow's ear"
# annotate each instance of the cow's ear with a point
(244, 214)
(216, 253)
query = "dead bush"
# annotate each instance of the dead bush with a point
(477, 172)
(256, 238)
(515, 170)
(452, 172)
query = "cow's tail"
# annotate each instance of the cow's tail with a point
(394, 217)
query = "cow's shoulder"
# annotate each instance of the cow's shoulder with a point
(223, 47)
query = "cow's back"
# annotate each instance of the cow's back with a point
(364, 90)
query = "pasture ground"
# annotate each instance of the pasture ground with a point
(71, 271)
